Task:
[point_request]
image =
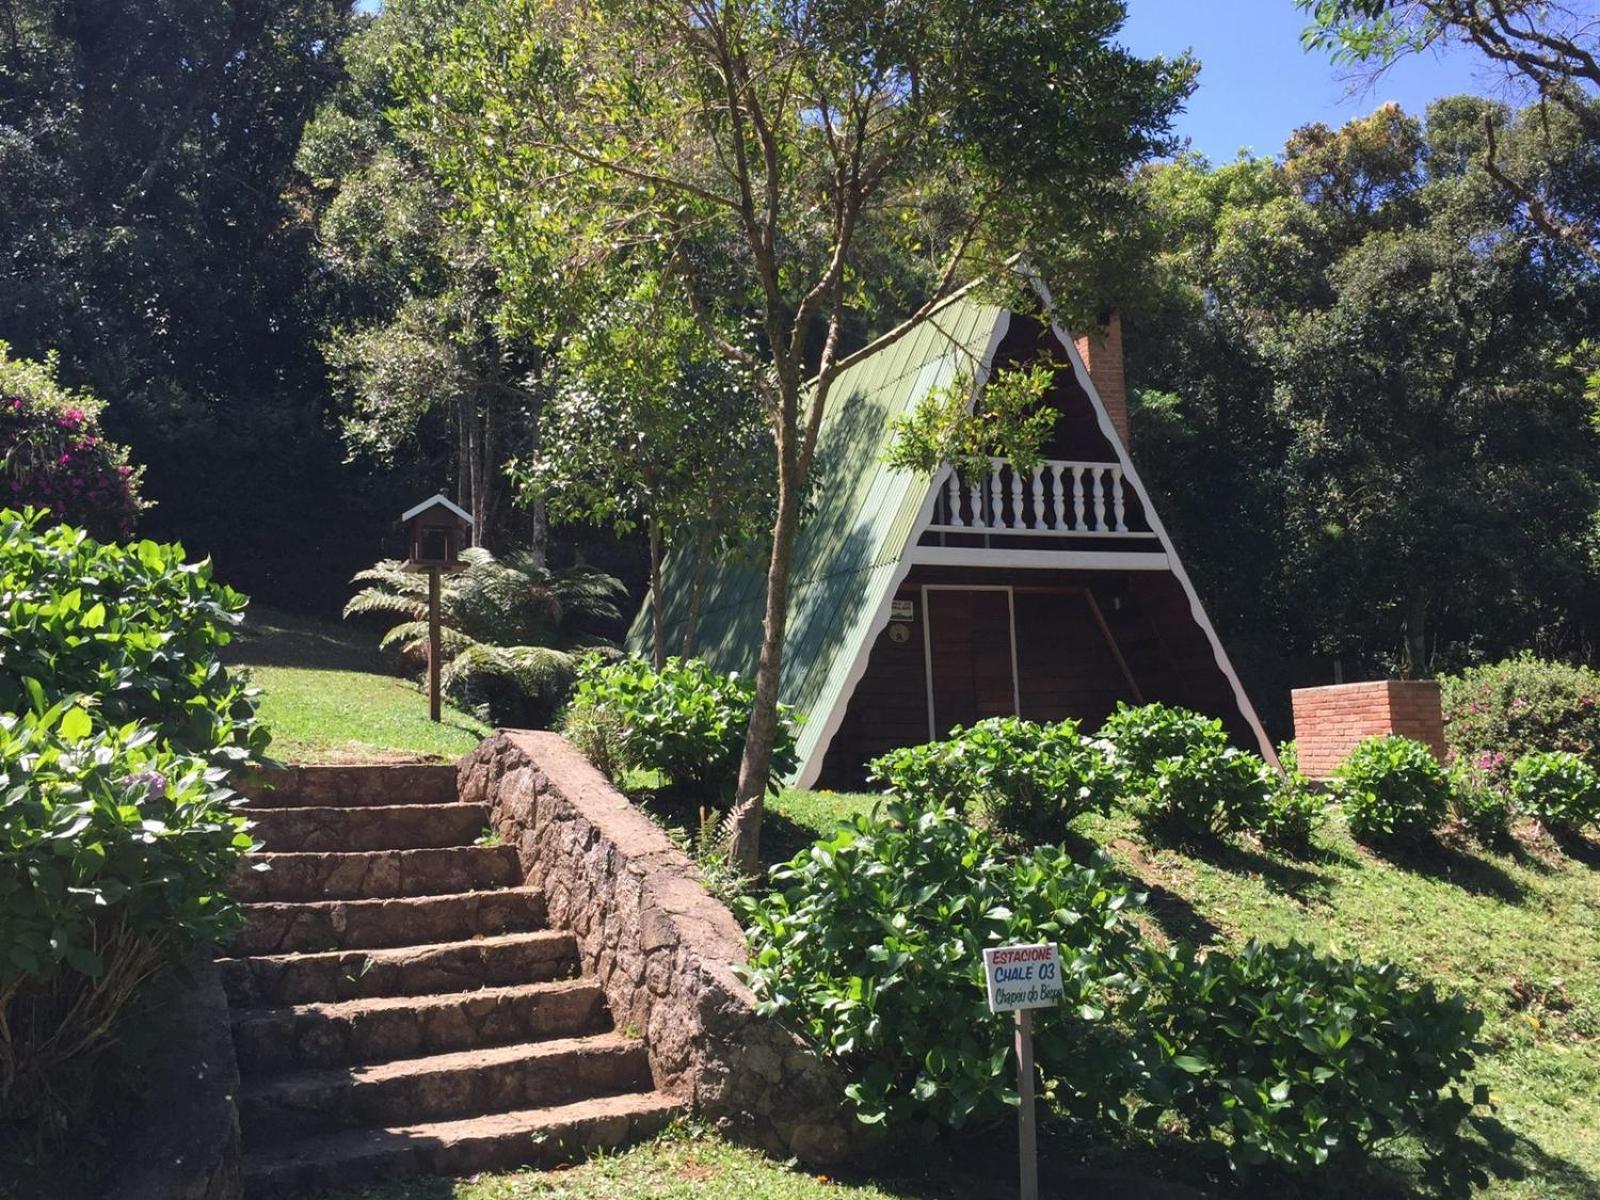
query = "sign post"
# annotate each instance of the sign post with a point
(1021, 979)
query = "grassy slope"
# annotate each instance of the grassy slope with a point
(326, 698)
(1518, 931)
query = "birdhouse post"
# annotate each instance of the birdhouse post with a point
(436, 532)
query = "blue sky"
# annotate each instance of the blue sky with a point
(1256, 83)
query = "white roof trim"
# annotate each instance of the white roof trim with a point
(1069, 344)
(433, 501)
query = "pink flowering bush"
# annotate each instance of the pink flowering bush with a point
(54, 456)
(1495, 714)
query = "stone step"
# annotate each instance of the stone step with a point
(391, 1027)
(366, 874)
(345, 786)
(456, 1148)
(311, 926)
(441, 1087)
(260, 981)
(375, 827)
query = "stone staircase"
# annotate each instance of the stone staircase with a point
(399, 1005)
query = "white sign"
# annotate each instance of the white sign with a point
(1022, 977)
(902, 610)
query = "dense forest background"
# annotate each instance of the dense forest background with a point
(1359, 366)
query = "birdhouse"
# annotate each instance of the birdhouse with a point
(436, 531)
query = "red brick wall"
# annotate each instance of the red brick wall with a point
(1102, 354)
(1329, 721)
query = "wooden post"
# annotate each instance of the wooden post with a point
(433, 644)
(1027, 1143)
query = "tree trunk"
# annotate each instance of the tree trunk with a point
(1415, 664)
(658, 616)
(697, 591)
(756, 767)
(463, 455)
(490, 471)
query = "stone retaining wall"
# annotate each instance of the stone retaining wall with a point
(182, 1143)
(663, 948)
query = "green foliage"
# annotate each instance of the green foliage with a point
(54, 455)
(1011, 419)
(1027, 781)
(134, 629)
(117, 855)
(1496, 713)
(1392, 789)
(510, 629)
(1558, 788)
(1139, 738)
(1296, 1059)
(117, 729)
(1292, 814)
(872, 941)
(1480, 801)
(686, 721)
(1212, 790)
(1378, 510)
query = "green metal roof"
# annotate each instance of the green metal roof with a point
(859, 519)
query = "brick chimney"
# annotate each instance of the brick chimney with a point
(1102, 354)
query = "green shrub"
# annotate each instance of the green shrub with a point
(511, 629)
(1479, 800)
(872, 942)
(1211, 790)
(1497, 713)
(1139, 738)
(134, 628)
(1558, 788)
(1026, 780)
(1292, 1058)
(54, 455)
(1293, 812)
(117, 855)
(1392, 789)
(598, 735)
(686, 721)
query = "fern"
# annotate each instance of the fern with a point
(509, 628)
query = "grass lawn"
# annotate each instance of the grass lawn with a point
(326, 697)
(680, 1165)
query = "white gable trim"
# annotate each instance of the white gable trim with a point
(811, 766)
(1132, 477)
(433, 502)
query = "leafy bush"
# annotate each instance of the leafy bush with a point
(1293, 812)
(1295, 1058)
(133, 627)
(1392, 789)
(1508, 709)
(118, 854)
(1139, 738)
(1558, 788)
(1211, 790)
(686, 720)
(872, 944)
(511, 630)
(1026, 780)
(1479, 800)
(53, 454)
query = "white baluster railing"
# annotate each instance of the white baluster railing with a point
(1057, 499)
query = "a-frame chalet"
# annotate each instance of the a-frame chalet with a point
(919, 604)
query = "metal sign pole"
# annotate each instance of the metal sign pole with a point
(1027, 1144)
(433, 644)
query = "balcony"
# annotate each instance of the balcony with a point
(1056, 499)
